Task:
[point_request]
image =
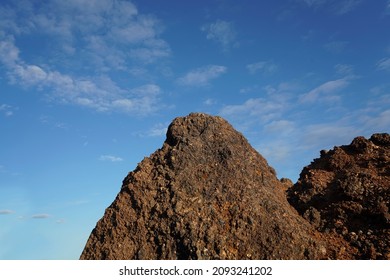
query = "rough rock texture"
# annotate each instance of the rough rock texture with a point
(346, 192)
(206, 194)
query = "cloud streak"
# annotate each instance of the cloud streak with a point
(202, 76)
(383, 64)
(222, 32)
(110, 158)
(324, 92)
(40, 216)
(6, 212)
(337, 7)
(82, 37)
(100, 93)
(262, 66)
(6, 110)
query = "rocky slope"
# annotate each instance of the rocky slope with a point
(347, 192)
(206, 194)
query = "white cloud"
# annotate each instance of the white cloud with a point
(344, 69)
(110, 158)
(102, 36)
(222, 32)
(379, 122)
(276, 151)
(9, 53)
(149, 55)
(263, 66)
(29, 74)
(260, 109)
(278, 101)
(7, 110)
(100, 93)
(249, 89)
(209, 102)
(387, 11)
(337, 7)
(314, 2)
(345, 6)
(73, 23)
(324, 92)
(383, 64)
(41, 216)
(158, 130)
(280, 127)
(326, 135)
(202, 76)
(6, 212)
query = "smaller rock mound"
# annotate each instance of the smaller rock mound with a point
(347, 192)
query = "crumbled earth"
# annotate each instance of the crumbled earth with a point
(207, 194)
(346, 194)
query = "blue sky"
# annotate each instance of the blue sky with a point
(88, 87)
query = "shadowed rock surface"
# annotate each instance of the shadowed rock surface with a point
(206, 194)
(347, 192)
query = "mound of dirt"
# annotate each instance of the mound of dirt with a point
(206, 194)
(346, 192)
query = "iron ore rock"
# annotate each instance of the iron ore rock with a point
(205, 194)
(347, 192)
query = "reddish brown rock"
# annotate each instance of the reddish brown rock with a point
(346, 193)
(206, 194)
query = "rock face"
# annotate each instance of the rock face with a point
(206, 194)
(347, 192)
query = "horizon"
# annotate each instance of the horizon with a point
(88, 89)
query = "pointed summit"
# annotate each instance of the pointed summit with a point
(206, 194)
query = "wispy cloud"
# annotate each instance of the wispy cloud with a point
(95, 26)
(337, 7)
(328, 134)
(209, 102)
(202, 76)
(40, 216)
(6, 212)
(324, 92)
(253, 112)
(344, 69)
(222, 32)
(313, 3)
(253, 107)
(142, 100)
(280, 126)
(158, 130)
(82, 37)
(345, 6)
(6, 110)
(383, 64)
(110, 158)
(387, 9)
(262, 66)
(100, 93)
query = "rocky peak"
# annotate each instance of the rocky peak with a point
(205, 194)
